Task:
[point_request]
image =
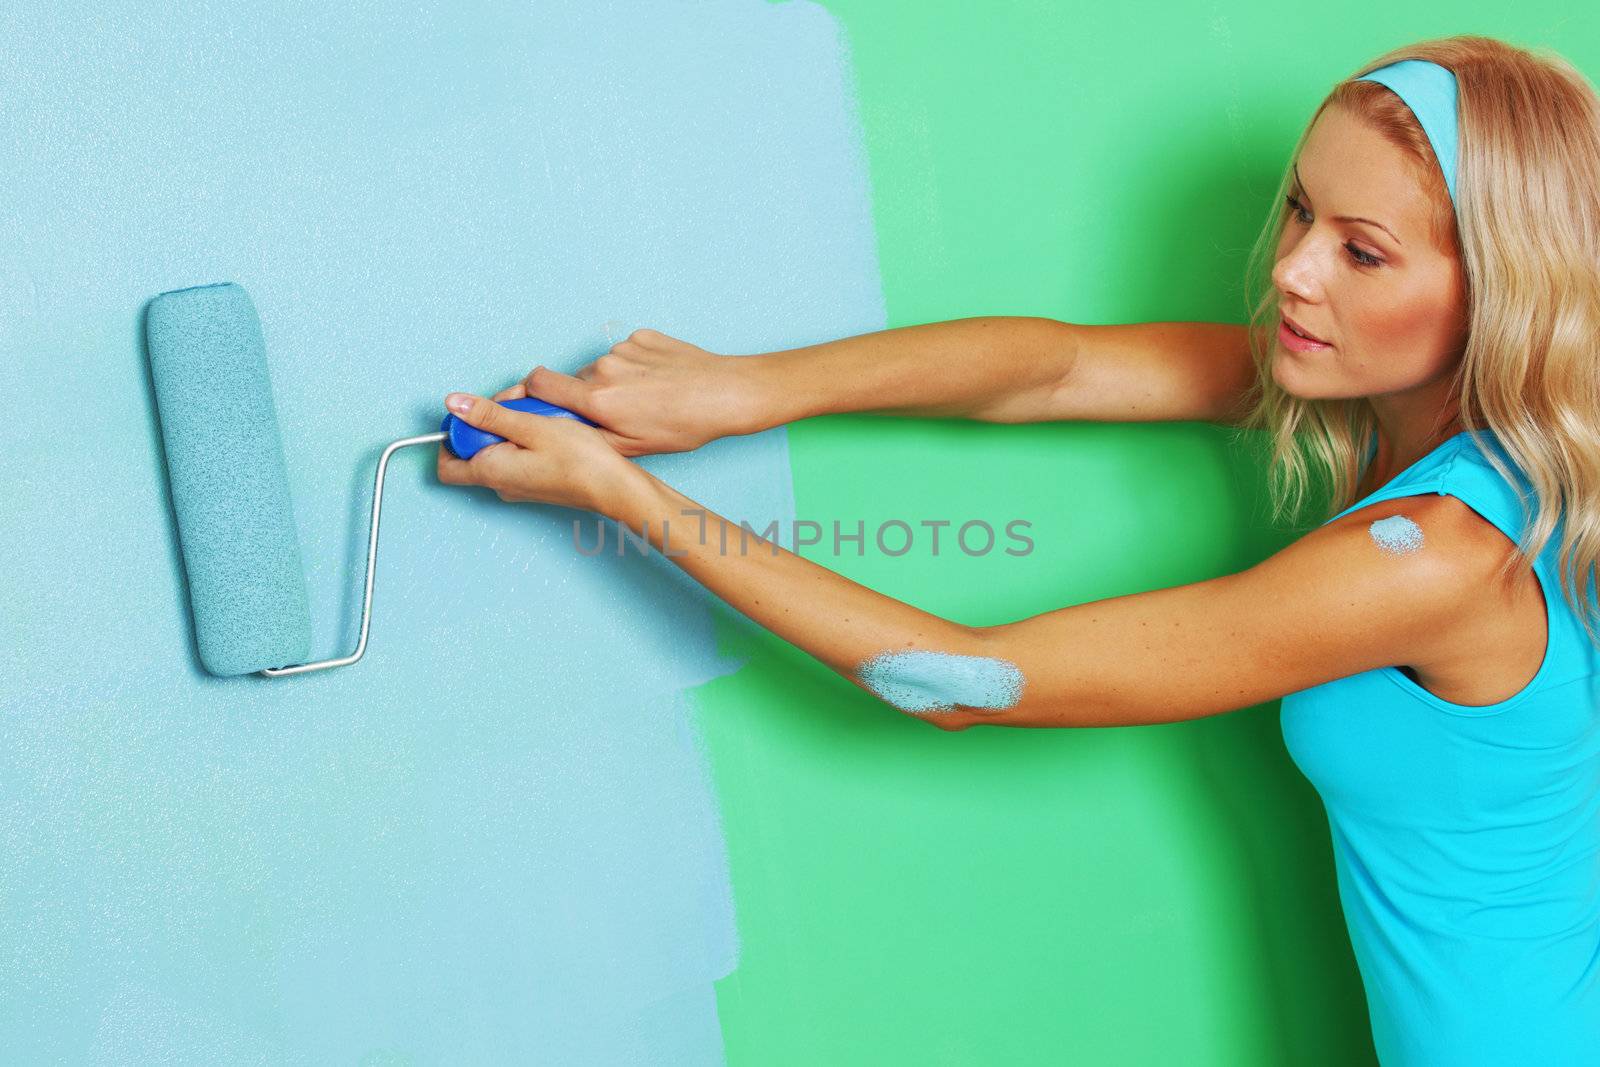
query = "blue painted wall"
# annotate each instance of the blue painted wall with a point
(493, 838)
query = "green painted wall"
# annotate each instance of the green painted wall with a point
(1146, 895)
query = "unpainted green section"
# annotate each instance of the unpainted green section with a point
(1140, 895)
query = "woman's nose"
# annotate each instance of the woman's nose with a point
(1295, 273)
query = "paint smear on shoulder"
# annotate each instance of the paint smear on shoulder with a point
(1396, 534)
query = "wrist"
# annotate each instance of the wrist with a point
(630, 493)
(764, 396)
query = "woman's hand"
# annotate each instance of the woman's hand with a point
(547, 459)
(653, 393)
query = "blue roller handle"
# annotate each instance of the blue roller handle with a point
(467, 441)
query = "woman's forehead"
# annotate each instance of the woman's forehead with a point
(1347, 168)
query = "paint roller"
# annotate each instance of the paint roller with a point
(230, 485)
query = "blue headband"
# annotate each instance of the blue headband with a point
(1429, 90)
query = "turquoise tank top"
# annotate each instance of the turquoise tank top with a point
(1466, 840)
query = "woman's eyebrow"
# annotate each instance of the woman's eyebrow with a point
(1345, 218)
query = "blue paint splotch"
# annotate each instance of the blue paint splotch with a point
(493, 839)
(1396, 535)
(925, 680)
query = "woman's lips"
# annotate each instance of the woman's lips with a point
(1294, 342)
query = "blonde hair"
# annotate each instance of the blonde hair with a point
(1526, 230)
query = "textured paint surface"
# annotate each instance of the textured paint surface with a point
(1396, 534)
(492, 840)
(923, 680)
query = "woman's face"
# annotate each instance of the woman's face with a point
(1389, 304)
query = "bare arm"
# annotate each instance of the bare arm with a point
(654, 393)
(1015, 369)
(1329, 605)
(1334, 603)
(963, 368)
(1144, 372)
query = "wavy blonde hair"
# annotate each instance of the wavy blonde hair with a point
(1526, 230)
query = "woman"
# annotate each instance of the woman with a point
(1426, 333)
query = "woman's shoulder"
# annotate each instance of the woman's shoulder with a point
(1483, 473)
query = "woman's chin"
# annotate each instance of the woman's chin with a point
(1284, 376)
(1289, 377)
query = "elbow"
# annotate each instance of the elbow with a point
(962, 681)
(946, 717)
(984, 685)
(949, 720)
(1028, 694)
(952, 722)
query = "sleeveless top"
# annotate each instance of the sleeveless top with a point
(1466, 839)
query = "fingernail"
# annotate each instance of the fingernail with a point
(460, 403)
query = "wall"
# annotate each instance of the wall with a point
(512, 831)
(1138, 896)
(493, 839)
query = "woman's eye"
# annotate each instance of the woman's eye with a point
(1365, 259)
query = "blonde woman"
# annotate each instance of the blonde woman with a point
(1425, 335)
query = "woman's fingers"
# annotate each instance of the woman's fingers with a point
(563, 390)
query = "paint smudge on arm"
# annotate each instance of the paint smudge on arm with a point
(1396, 534)
(920, 680)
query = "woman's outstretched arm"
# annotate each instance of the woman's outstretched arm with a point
(1334, 603)
(1348, 597)
(654, 393)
